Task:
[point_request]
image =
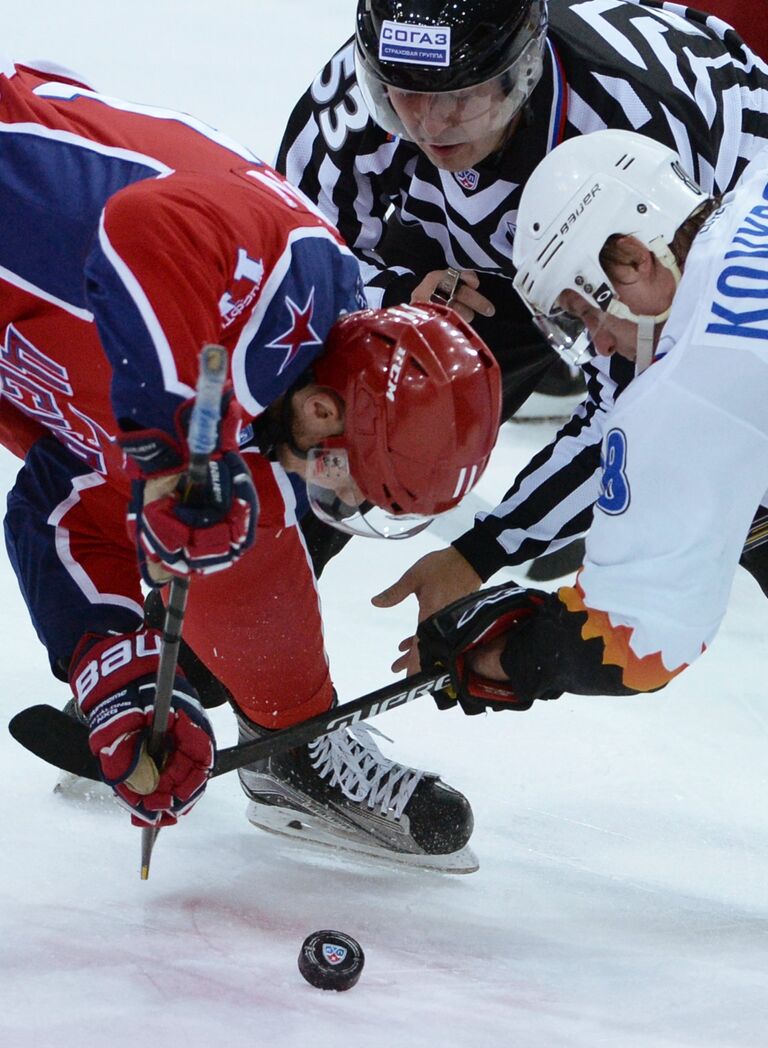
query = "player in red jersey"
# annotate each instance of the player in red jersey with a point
(135, 236)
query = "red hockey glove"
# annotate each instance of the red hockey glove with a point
(203, 529)
(447, 639)
(113, 680)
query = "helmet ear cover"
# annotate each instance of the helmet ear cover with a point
(422, 399)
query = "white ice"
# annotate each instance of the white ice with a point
(621, 899)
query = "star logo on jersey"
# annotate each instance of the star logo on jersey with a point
(299, 333)
(468, 179)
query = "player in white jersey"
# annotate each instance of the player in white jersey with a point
(618, 250)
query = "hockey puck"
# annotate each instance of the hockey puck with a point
(331, 960)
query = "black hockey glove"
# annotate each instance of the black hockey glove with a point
(449, 636)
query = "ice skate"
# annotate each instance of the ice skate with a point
(342, 792)
(73, 788)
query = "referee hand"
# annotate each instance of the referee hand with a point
(457, 289)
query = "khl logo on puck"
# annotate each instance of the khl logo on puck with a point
(334, 953)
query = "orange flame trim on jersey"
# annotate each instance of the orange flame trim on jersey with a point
(641, 674)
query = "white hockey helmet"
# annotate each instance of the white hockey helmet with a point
(585, 191)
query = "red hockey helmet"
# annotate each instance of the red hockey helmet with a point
(422, 402)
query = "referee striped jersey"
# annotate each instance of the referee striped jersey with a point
(673, 73)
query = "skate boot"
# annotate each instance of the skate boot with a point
(342, 792)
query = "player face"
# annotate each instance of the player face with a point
(646, 288)
(455, 129)
(609, 334)
(328, 468)
(335, 497)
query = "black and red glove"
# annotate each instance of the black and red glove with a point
(181, 530)
(448, 639)
(113, 680)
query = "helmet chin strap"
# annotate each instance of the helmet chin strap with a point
(646, 331)
(646, 325)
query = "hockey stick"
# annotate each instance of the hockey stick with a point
(166, 671)
(203, 428)
(375, 702)
(56, 738)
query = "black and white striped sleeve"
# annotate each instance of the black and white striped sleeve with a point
(338, 157)
(551, 500)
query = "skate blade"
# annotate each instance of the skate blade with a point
(299, 826)
(76, 790)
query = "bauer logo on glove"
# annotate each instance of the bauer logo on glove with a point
(113, 679)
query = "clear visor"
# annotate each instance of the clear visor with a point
(567, 334)
(337, 500)
(451, 118)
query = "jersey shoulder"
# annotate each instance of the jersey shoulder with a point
(333, 105)
(654, 46)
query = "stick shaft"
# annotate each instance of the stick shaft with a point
(206, 413)
(202, 439)
(166, 671)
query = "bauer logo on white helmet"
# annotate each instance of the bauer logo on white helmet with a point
(579, 209)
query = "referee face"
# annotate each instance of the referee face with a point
(454, 129)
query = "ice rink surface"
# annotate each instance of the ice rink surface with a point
(622, 896)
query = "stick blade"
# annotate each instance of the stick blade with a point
(55, 738)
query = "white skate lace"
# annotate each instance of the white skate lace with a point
(357, 766)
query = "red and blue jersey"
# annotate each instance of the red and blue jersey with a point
(132, 236)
